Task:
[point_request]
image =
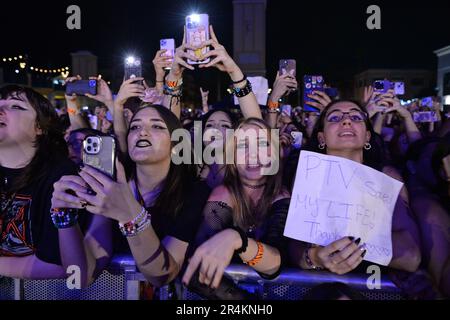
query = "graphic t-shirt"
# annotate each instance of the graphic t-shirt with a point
(26, 227)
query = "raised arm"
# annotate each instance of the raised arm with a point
(127, 90)
(221, 60)
(73, 108)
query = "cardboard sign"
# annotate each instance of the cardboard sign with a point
(334, 197)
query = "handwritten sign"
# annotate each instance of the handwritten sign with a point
(334, 197)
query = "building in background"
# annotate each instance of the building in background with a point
(418, 82)
(443, 74)
(84, 63)
(249, 36)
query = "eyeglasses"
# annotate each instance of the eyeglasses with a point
(354, 116)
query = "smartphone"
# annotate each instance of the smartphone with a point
(133, 68)
(298, 139)
(427, 102)
(100, 152)
(380, 86)
(81, 87)
(399, 88)
(427, 116)
(197, 31)
(310, 84)
(169, 46)
(287, 109)
(288, 66)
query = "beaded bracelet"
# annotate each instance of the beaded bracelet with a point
(309, 262)
(138, 224)
(64, 218)
(258, 256)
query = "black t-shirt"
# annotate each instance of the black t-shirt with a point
(26, 226)
(183, 227)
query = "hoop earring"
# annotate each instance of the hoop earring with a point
(367, 146)
(321, 146)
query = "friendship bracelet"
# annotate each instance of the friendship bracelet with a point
(72, 111)
(273, 104)
(258, 256)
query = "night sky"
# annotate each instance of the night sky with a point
(325, 37)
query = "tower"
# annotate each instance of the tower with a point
(249, 36)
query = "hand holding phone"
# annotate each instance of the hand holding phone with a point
(81, 87)
(100, 152)
(197, 32)
(311, 84)
(133, 68)
(298, 139)
(288, 66)
(169, 46)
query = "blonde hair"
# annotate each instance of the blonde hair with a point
(244, 215)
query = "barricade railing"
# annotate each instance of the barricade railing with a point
(121, 281)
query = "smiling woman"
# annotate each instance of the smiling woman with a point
(343, 130)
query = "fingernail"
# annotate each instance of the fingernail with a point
(364, 253)
(358, 241)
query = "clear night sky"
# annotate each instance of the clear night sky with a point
(327, 37)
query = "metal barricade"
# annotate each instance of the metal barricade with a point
(121, 282)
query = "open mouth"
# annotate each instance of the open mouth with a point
(347, 134)
(2, 124)
(143, 144)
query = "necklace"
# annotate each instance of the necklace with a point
(254, 187)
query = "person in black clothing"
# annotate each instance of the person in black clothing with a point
(244, 217)
(159, 207)
(33, 156)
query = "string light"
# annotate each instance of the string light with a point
(23, 65)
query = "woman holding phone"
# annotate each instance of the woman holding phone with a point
(217, 121)
(158, 208)
(343, 130)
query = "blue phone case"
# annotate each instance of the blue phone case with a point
(310, 84)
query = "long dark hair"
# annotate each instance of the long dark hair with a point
(50, 145)
(374, 158)
(179, 178)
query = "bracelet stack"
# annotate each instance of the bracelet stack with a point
(64, 218)
(173, 88)
(137, 225)
(242, 92)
